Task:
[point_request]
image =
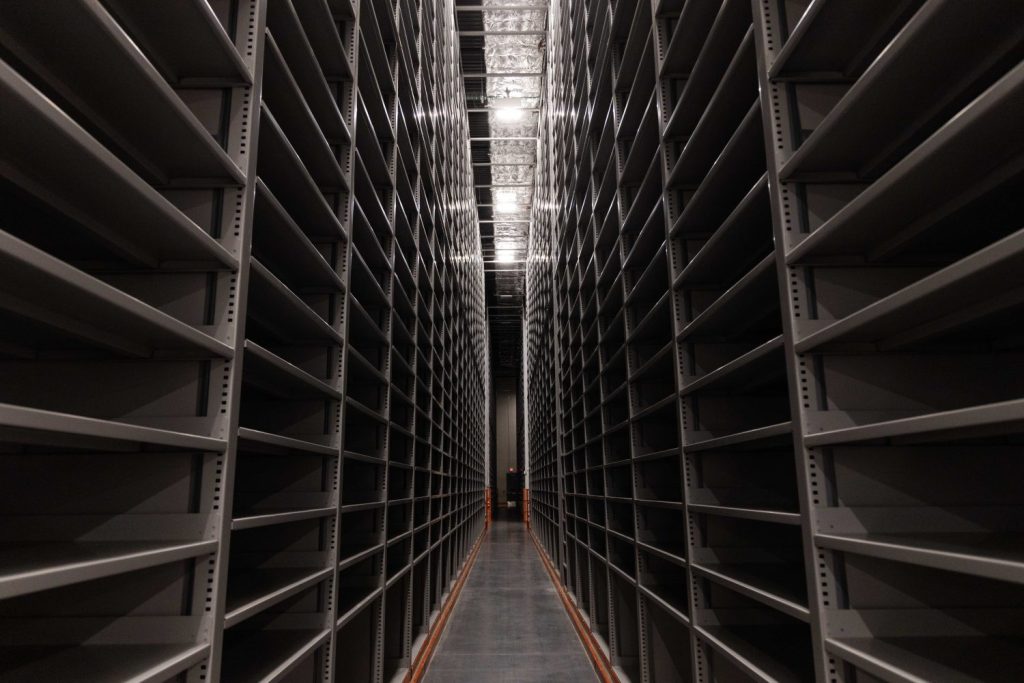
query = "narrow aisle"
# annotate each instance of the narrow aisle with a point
(509, 623)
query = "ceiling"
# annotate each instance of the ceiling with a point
(502, 48)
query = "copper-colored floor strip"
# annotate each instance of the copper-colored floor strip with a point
(601, 664)
(422, 661)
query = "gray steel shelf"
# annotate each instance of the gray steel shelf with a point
(47, 150)
(145, 663)
(70, 307)
(117, 91)
(835, 40)
(928, 658)
(19, 424)
(209, 59)
(32, 567)
(271, 654)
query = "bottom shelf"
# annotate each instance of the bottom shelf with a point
(266, 654)
(770, 652)
(991, 659)
(356, 654)
(668, 648)
(98, 662)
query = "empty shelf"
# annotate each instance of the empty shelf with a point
(117, 89)
(834, 39)
(44, 150)
(911, 659)
(268, 655)
(41, 427)
(282, 170)
(29, 568)
(278, 377)
(207, 59)
(252, 591)
(782, 587)
(74, 306)
(981, 143)
(284, 21)
(84, 663)
(280, 242)
(882, 108)
(761, 365)
(283, 312)
(997, 556)
(265, 441)
(957, 296)
(763, 652)
(1006, 417)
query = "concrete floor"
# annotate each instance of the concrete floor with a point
(509, 624)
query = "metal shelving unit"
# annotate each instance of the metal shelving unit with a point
(244, 350)
(772, 338)
(900, 337)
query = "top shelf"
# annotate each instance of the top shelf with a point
(325, 40)
(206, 58)
(980, 145)
(835, 39)
(45, 149)
(117, 90)
(690, 27)
(916, 81)
(308, 72)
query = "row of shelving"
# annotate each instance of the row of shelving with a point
(903, 332)
(774, 347)
(244, 359)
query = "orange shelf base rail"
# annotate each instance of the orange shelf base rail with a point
(602, 666)
(423, 657)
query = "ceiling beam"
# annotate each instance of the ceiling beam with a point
(518, 207)
(504, 8)
(509, 74)
(484, 110)
(501, 33)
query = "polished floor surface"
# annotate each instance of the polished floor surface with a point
(509, 623)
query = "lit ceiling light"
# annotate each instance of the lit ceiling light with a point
(509, 115)
(508, 109)
(505, 255)
(506, 201)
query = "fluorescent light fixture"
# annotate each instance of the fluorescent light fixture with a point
(505, 255)
(509, 115)
(506, 201)
(508, 109)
